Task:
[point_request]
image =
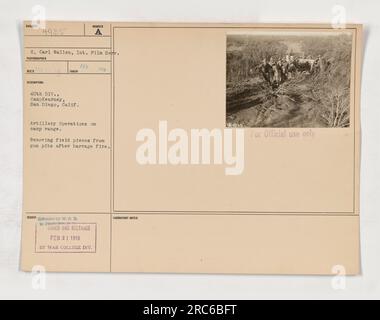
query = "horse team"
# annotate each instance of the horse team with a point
(276, 72)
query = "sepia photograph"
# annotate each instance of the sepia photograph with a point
(288, 79)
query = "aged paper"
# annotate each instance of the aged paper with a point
(191, 148)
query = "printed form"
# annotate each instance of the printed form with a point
(191, 148)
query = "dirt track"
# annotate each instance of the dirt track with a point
(255, 104)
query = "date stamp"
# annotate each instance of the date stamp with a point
(65, 237)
